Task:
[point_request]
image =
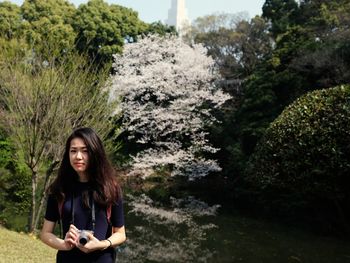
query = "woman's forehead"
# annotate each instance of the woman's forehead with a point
(77, 143)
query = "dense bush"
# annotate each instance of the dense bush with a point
(303, 160)
(14, 187)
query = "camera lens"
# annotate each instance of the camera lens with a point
(83, 238)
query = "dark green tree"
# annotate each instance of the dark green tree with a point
(47, 26)
(102, 29)
(310, 53)
(302, 161)
(325, 58)
(10, 20)
(281, 13)
(14, 186)
(160, 29)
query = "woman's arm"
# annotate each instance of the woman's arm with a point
(50, 239)
(118, 237)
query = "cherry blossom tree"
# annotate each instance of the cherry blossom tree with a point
(168, 91)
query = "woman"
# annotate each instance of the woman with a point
(84, 196)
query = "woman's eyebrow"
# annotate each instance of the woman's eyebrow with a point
(76, 147)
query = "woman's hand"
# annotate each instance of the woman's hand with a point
(93, 244)
(49, 238)
(71, 238)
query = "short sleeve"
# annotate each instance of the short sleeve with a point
(52, 213)
(117, 217)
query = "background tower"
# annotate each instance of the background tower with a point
(177, 15)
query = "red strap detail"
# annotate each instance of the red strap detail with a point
(60, 208)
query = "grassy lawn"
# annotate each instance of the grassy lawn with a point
(23, 248)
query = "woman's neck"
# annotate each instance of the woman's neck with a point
(83, 178)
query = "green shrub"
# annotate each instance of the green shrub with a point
(304, 157)
(15, 185)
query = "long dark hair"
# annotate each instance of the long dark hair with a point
(101, 174)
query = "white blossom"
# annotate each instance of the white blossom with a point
(167, 91)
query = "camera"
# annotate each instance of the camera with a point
(83, 237)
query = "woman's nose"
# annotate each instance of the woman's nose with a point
(79, 155)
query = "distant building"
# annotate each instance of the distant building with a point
(177, 16)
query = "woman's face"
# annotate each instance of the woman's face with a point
(79, 157)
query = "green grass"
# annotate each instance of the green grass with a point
(23, 248)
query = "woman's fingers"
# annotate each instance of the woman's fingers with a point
(73, 229)
(90, 235)
(72, 235)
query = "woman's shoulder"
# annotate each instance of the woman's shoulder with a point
(52, 199)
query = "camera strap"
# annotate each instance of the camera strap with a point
(93, 213)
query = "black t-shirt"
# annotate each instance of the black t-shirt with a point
(83, 221)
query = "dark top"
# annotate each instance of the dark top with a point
(83, 221)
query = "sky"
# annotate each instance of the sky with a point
(157, 10)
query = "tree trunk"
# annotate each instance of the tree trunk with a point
(47, 182)
(33, 205)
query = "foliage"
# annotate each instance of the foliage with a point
(236, 44)
(214, 22)
(324, 58)
(167, 91)
(15, 197)
(102, 29)
(10, 20)
(55, 11)
(42, 101)
(239, 47)
(14, 184)
(158, 28)
(304, 154)
(47, 26)
(281, 13)
(5, 150)
(315, 45)
(52, 28)
(310, 51)
(12, 48)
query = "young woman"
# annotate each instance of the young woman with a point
(84, 196)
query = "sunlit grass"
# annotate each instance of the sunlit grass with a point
(23, 248)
